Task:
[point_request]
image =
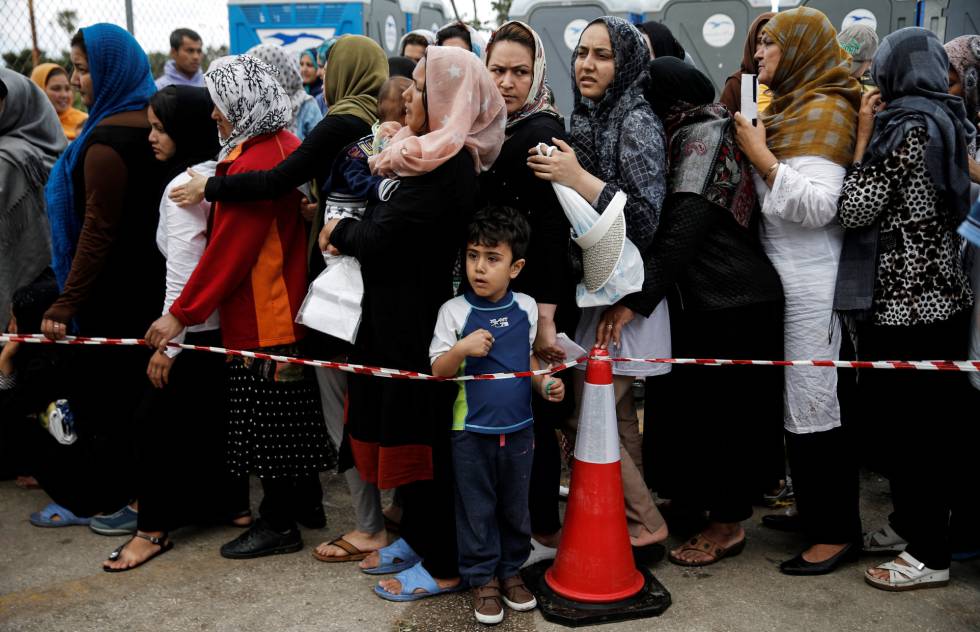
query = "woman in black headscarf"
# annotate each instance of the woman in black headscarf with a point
(725, 301)
(661, 41)
(731, 93)
(182, 135)
(902, 280)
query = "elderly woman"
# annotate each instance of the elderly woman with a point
(731, 92)
(905, 284)
(253, 272)
(398, 431)
(800, 149)
(517, 66)
(617, 144)
(102, 200)
(53, 79)
(726, 301)
(304, 112)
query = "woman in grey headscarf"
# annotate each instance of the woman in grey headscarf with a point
(902, 280)
(30, 141)
(305, 113)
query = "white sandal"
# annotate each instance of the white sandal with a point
(902, 577)
(884, 540)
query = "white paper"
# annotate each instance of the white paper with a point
(333, 304)
(750, 97)
(572, 350)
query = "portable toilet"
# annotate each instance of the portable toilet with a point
(884, 16)
(560, 24)
(307, 25)
(425, 14)
(951, 18)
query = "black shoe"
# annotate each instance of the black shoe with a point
(783, 522)
(799, 566)
(314, 518)
(261, 540)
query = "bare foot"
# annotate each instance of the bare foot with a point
(722, 534)
(136, 551)
(244, 520)
(394, 586)
(27, 482)
(363, 541)
(822, 552)
(882, 574)
(550, 541)
(646, 538)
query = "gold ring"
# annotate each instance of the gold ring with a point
(609, 326)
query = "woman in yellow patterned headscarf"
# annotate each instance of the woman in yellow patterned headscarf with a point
(800, 149)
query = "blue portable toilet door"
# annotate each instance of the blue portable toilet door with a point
(560, 28)
(430, 18)
(713, 33)
(951, 18)
(385, 24)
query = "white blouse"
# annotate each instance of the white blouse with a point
(182, 236)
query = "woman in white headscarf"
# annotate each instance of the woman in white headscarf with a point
(305, 113)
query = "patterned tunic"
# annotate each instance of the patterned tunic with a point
(920, 277)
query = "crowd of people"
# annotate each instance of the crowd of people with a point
(199, 207)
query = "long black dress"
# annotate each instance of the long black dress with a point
(398, 430)
(548, 278)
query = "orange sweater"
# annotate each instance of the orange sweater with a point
(254, 267)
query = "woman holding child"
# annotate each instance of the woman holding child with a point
(517, 66)
(617, 144)
(399, 430)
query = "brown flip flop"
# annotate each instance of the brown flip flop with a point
(354, 554)
(710, 548)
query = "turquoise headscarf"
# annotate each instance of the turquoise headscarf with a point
(121, 82)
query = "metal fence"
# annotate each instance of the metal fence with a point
(35, 31)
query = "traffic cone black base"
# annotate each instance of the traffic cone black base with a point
(652, 600)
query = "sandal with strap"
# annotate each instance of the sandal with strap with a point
(884, 540)
(412, 579)
(395, 558)
(710, 548)
(902, 577)
(161, 541)
(352, 553)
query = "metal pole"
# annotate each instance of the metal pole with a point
(129, 17)
(455, 12)
(35, 53)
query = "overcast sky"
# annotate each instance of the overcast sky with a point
(154, 19)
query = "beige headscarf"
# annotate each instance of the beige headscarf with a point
(815, 100)
(465, 110)
(356, 70)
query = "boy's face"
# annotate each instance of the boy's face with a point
(490, 269)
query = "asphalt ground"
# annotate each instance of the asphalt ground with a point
(51, 580)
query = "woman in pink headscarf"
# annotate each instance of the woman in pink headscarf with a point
(398, 430)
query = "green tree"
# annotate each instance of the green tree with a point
(502, 7)
(21, 62)
(68, 21)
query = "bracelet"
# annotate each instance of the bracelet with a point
(770, 170)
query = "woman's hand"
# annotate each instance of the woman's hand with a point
(871, 104)
(546, 345)
(9, 350)
(611, 325)
(325, 233)
(389, 129)
(191, 192)
(53, 329)
(560, 166)
(974, 170)
(307, 209)
(162, 331)
(751, 139)
(159, 368)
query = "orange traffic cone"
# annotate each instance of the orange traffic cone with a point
(595, 565)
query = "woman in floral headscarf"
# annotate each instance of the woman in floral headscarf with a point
(398, 431)
(515, 59)
(964, 82)
(617, 144)
(305, 113)
(800, 149)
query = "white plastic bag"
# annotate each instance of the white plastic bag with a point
(333, 304)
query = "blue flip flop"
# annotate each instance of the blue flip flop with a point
(397, 550)
(412, 579)
(44, 518)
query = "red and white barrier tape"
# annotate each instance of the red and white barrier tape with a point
(971, 366)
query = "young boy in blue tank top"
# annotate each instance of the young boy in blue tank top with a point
(490, 329)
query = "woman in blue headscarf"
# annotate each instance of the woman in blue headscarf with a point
(309, 70)
(102, 203)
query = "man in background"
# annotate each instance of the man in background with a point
(184, 66)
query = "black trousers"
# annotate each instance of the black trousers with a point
(181, 474)
(543, 496)
(429, 516)
(709, 432)
(920, 419)
(284, 498)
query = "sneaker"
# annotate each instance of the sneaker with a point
(260, 540)
(782, 497)
(123, 522)
(538, 553)
(486, 603)
(517, 596)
